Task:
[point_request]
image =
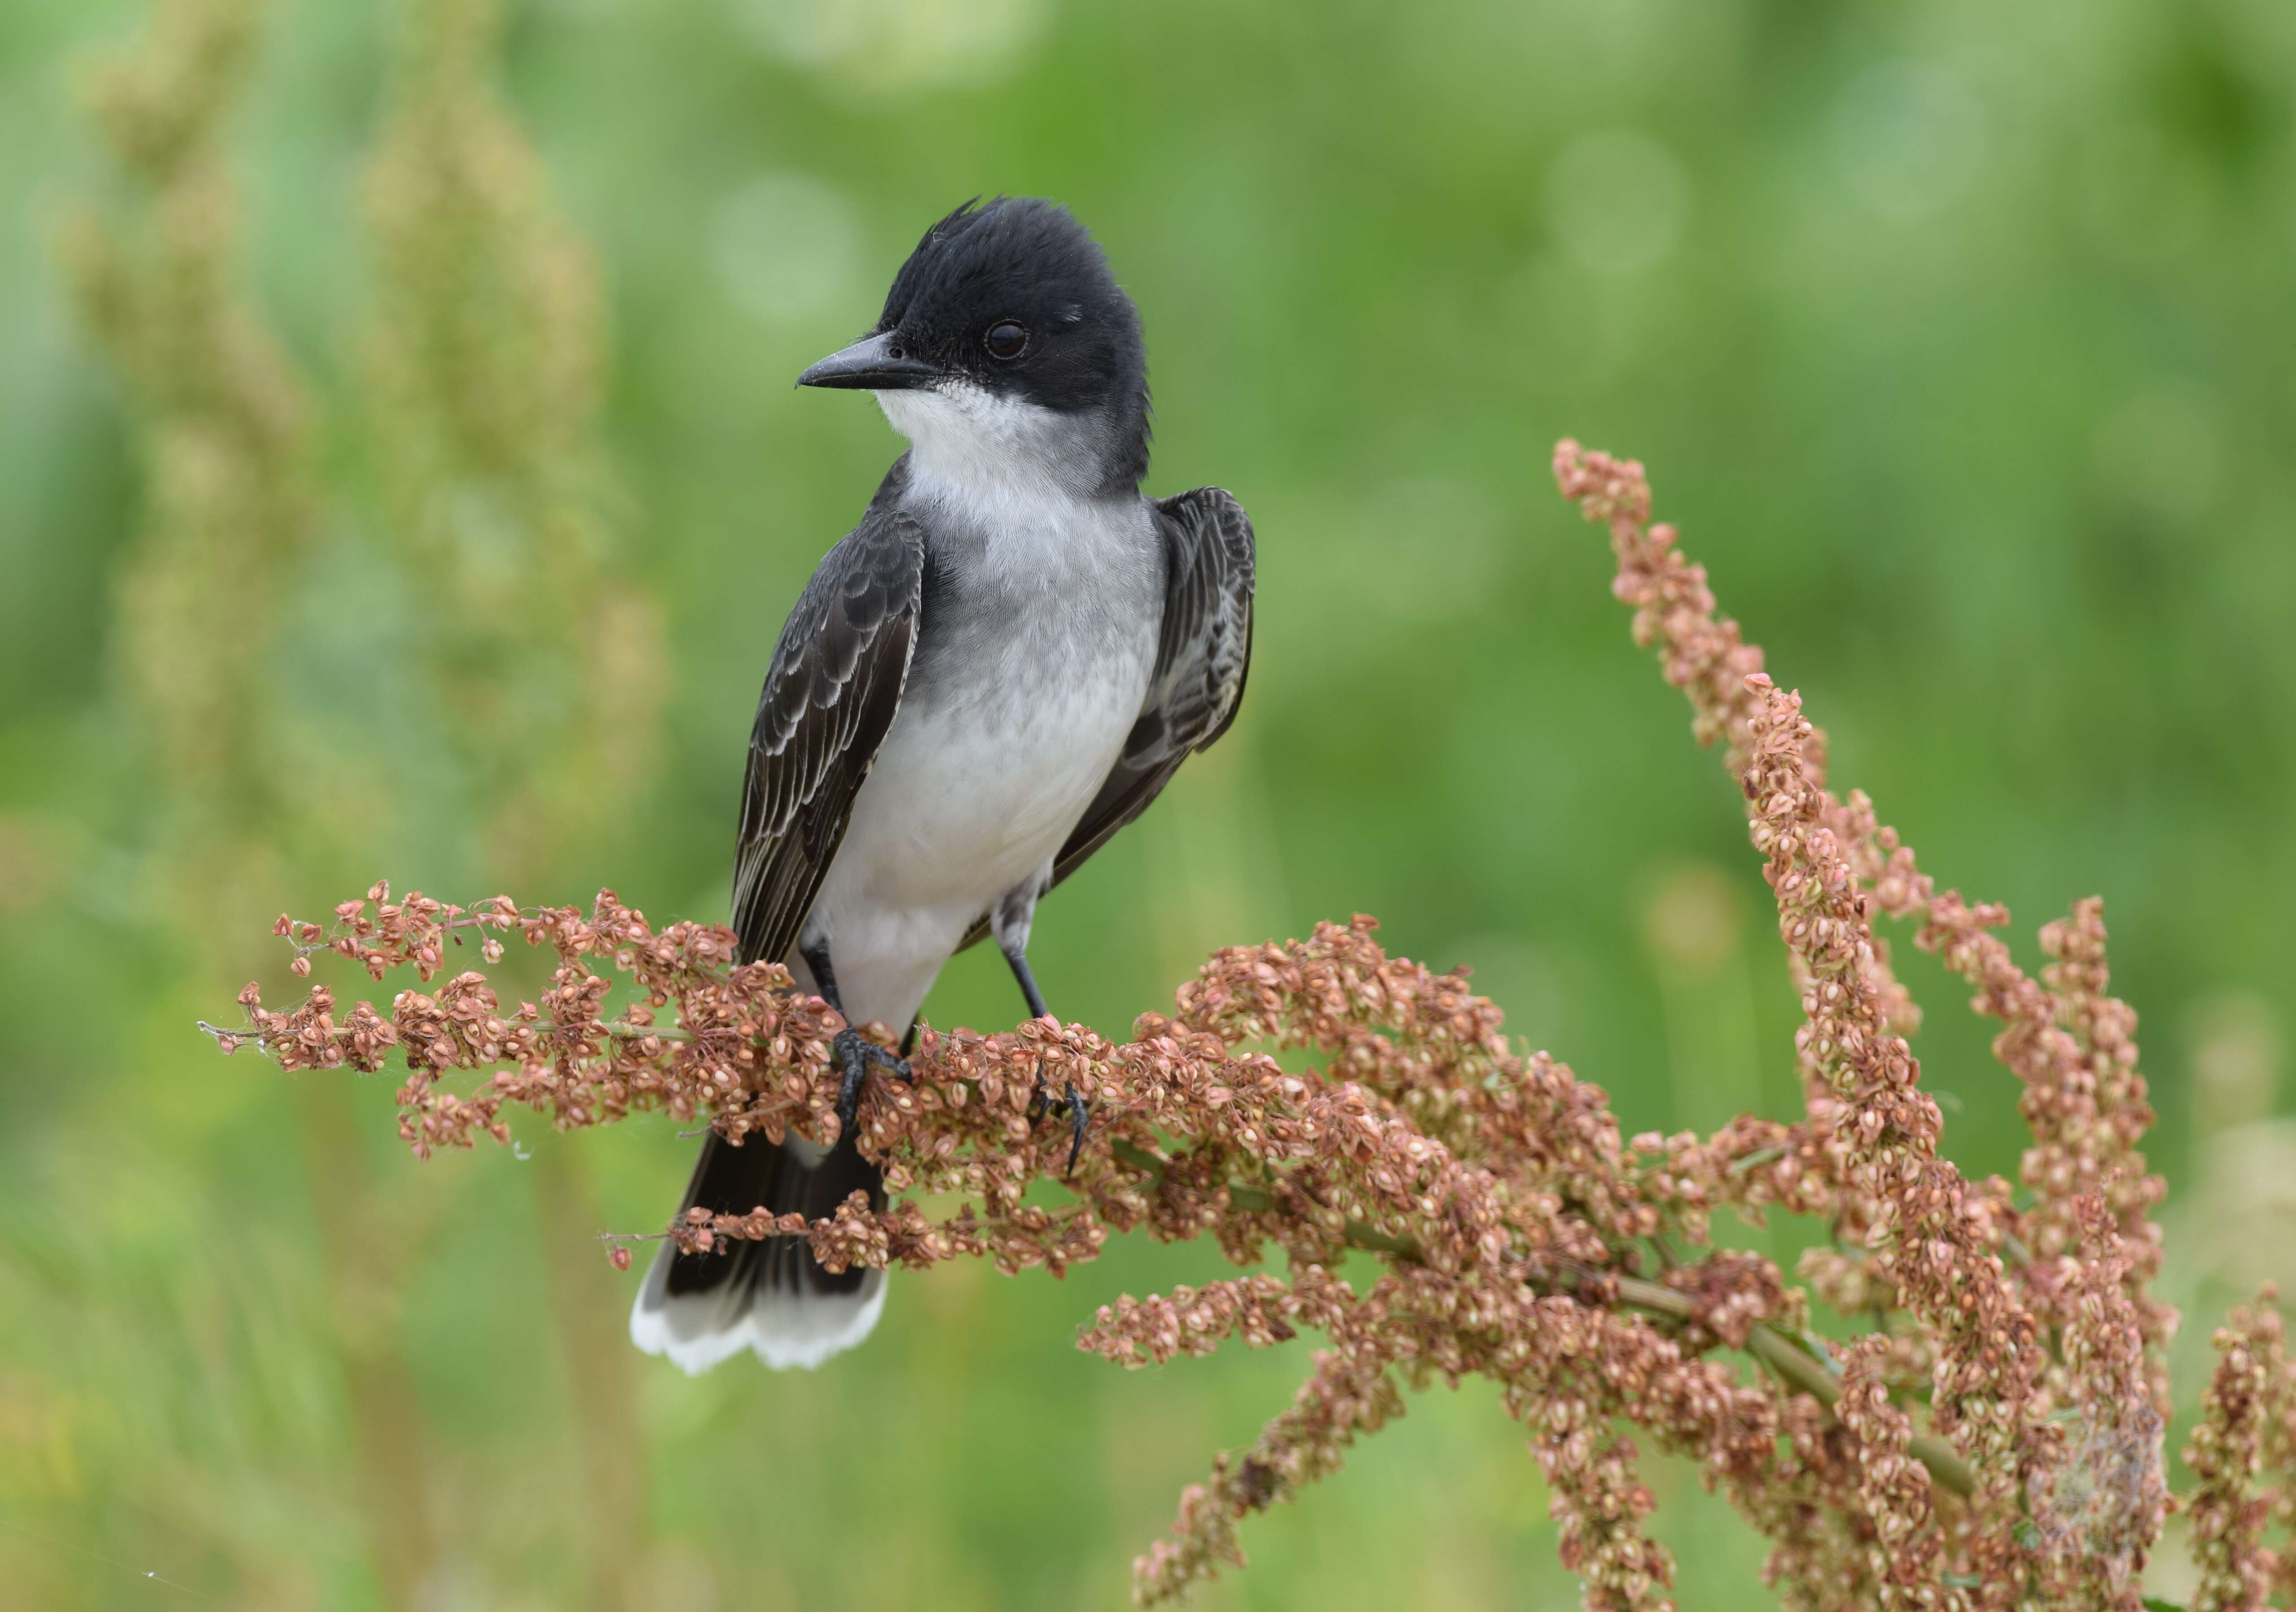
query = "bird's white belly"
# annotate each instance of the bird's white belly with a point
(975, 788)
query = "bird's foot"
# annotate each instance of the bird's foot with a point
(1072, 1105)
(855, 1055)
(1079, 1122)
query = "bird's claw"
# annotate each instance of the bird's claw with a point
(1078, 1110)
(855, 1055)
(1079, 1122)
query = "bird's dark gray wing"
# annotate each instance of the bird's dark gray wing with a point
(1203, 652)
(830, 695)
(831, 691)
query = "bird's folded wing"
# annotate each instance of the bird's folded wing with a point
(830, 696)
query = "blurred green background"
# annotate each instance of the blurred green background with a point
(403, 478)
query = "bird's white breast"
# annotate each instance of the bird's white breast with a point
(1031, 668)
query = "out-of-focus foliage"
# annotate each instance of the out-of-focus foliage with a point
(1961, 335)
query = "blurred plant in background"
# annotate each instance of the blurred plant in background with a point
(483, 350)
(483, 354)
(225, 435)
(2010, 290)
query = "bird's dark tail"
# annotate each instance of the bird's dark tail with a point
(763, 1294)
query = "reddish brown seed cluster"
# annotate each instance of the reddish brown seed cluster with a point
(1991, 1438)
(2247, 1424)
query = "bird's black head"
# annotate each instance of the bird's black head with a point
(1004, 309)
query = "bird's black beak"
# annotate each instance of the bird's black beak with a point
(875, 364)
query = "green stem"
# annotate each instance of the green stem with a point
(1776, 1351)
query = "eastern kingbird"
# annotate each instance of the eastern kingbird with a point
(998, 669)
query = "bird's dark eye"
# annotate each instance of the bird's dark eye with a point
(1006, 339)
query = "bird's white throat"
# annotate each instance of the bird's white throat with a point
(974, 447)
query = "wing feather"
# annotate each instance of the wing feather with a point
(829, 698)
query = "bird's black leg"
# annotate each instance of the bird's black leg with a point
(854, 1052)
(1035, 998)
(1079, 1110)
(1010, 922)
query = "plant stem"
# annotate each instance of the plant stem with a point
(1778, 1351)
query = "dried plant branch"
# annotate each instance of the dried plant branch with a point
(1932, 1243)
(2248, 1416)
(1990, 1438)
(1794, 1362)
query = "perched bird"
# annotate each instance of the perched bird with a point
(991, 674)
